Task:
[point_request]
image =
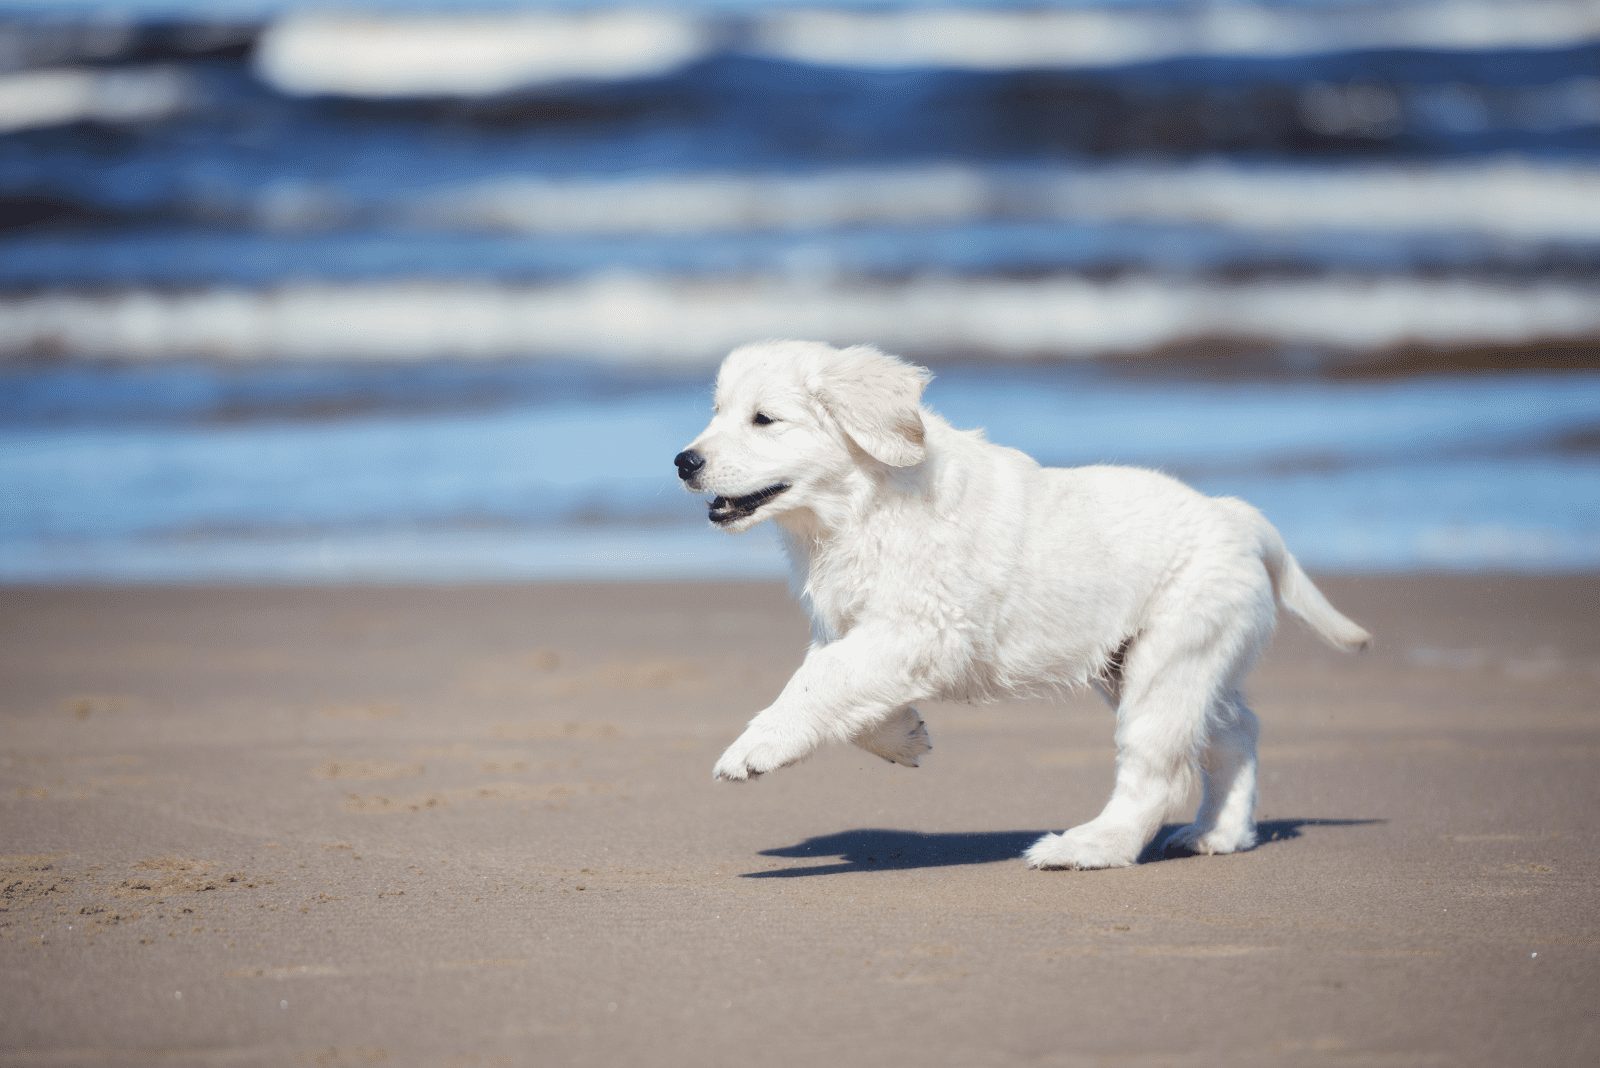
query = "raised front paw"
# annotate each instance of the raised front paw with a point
(758, 751)
(900, 739)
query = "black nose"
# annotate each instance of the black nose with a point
(689, 463)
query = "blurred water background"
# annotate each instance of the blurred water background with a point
(401, 290)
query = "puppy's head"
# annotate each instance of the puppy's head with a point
(795, 422)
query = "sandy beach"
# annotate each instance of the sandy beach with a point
(475, 826)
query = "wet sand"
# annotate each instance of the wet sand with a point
(476, 827)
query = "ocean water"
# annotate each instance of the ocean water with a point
(489, 471)
(399, 289)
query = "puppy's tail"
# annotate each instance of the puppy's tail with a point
(1296, 591)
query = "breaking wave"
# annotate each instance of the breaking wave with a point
(647, 319)
(398, 54)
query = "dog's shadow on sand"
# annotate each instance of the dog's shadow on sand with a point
(878, 849)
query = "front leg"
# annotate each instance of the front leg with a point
(844, 690)
(765, 746)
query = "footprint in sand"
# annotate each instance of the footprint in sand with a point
(163, 876)
(26, 879)
(84, 706)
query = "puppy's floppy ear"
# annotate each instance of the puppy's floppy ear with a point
(877, 399)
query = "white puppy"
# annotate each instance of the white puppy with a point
(936, 565)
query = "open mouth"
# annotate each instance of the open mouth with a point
(727, 509)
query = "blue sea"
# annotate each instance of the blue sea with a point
(400, 290)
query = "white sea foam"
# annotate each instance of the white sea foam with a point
(406, 54)
(469, 55)
(1509, 199)
(59, 95)
(1004, 40)
(646, 319)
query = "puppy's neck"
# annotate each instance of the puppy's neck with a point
(842, 517)
(843, 511)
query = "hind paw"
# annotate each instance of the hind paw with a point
(1207, 841)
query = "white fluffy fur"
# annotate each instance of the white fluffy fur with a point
(937, 565)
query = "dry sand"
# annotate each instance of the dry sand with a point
(476, 827)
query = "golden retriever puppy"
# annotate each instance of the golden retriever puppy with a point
(936, 565)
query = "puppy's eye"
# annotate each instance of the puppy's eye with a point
(762, 419)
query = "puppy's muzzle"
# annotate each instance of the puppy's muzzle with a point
(689, 463)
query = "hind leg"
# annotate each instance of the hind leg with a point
(1175, 673)
(1226, 822)
(1156, 741)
